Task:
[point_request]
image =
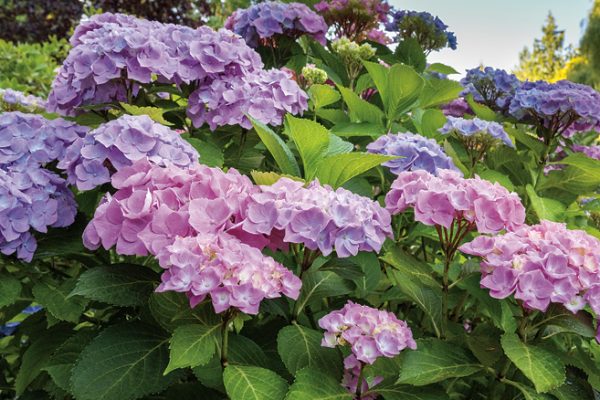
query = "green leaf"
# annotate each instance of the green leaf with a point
(565, 321)
(334, 116)
(545, 208)
(300, 347)
(404, 88)
(442, 69)
(543, 368)
(58, 302)
(481, 111)
(406, 392)
(172, 309)
(323, 95)
(338, 145)
(352, 129)
(428, 122)
(244, 351)
(484, 343)
(495, 176)
(317, 285)
(409, 52)
(253, 383)
(508, 322)
(118, 284)
(210, 154)
(155, 113)
(314, 385)
(528, 393)
(434, 361)
(192, 345)
(269, 178)
(340, 168)
(279, 150)
(439, 91)
(409, 267)
(10, 289)
(124, 362)
(361, 110)
(311, 140)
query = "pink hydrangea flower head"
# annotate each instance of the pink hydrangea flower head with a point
(371, 333)
(448, 198)
(318, 217)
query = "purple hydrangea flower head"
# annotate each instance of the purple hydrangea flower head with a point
(492, 87)
(557, 108)
(318, 217)
(477, 129)
(31, 137)
(114, 55)
(90, 160)
(457, 108)
(224, 269)
(429, 31)
(590, 151)
(262, 23)
(415, 151)
(541, 264)
(357, 20)
(13, 100)
(370, 333)
(448, 199)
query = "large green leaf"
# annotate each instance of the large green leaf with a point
(406, 392)
(337, 145)
(480, 110)
(311, 140)
(543, 368)
(155, 113)
(323, 95)
(58, 302)
(409, 52)
(528, 392)
(300, 347)
(545, 208)
(210, 154)
(404, 89)
(117, 284)
(340, 168)
(314, 385)
(37, 356)
(279, 150)
(192, 345)
(124, 362)
(361, 110)
(428, 122)
(253, 383)
(434, 361)
(439, 91)
(410, 267)
(317, 285)
(352, 129)
(172, 309)
(10, 289)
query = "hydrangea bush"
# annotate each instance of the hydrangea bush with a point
(284, 209)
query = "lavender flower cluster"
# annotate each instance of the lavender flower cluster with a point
(318, 217)
(590, 151)
(457, 108)
(429, 31)
(415, 151)
(13, 100)
(476, 129)
(561, 107)
(541, 264)
(493, 87)
(262, 23)
(113, 55)
(31, 196)
(91, 159)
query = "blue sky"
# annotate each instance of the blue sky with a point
(493, 32)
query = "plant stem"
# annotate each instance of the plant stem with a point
(445, 296)
(359, 382)
(225, 336)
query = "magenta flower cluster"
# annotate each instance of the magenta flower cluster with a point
(557, 107)
(441, 200)
(415, 151)
(13, 100)
(31, 196)
(230, 272)
(190, 220)
(114, 55)
(263, 22)
(541, 264)
(370, 333)
(476, 127)
(318, 217)
(90, 160)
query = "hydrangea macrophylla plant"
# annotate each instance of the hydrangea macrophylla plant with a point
(357, 20)
(492, 87)
(90, 160)
(556, 108)
(127, 53)
(231, 273)
(153, 205)
(263, 23)
(429, 31)
(415, 153)
(477, 135)
(541, 264)
(319, 217)
(370, 333)
(353, 55)
(13, 100)
(457, 108)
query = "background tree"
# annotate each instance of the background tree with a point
(586, 69)
(549, 56)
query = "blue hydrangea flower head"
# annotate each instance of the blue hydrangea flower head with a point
(429, 31)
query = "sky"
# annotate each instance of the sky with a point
(493, 32)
